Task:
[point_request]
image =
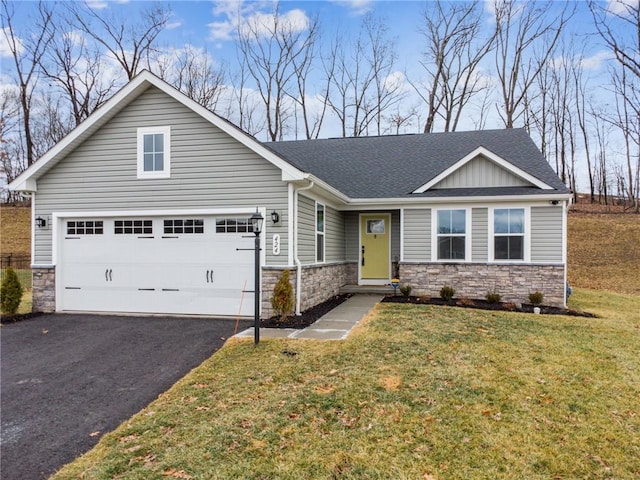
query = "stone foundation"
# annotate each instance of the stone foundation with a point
(473, 280)
(319, 283)
(44, 290)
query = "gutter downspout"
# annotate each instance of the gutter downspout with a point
(295, 246)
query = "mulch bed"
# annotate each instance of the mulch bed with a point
(18, 317)
(308, 316)
(484, 305)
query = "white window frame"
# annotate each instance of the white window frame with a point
(166, 171)
(324, 229)
(467, 235)
(526, 247)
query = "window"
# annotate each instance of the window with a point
(154, 156)
(508, 234)
(183, 226)
(319, 232)
(85, 227)
(375, 226)
(451, 234)
(135, 227)
(233, 225)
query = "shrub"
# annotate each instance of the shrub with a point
(535, 298)
(282, 298)
(493, 297)
(466, 302)
(405, 290)
(447, 292)
(11, 293)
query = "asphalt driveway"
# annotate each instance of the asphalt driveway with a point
(68, 379)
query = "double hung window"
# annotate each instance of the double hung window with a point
(319, 232)
(451, 234)
(508, 234)
(154, 154)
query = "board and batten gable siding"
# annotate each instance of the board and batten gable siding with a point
(481, 172)
(479, 234)
(306, 230)
(417, 235)
(334, 235)
(209, 169)
(546, 234)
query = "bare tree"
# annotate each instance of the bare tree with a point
(362, 89)
(527, 35)
(455, 48)
(27, 52)
(77, 69)
(129, 42)
(580, 90)
(270, 47)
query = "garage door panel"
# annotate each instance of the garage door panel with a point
(153, 270)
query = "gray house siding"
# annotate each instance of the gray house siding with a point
(351, 232)
(306, 230)
(479, 234)
(209, 169)
(481, 172)
(417, 235)
(334, 236)
(546, 234)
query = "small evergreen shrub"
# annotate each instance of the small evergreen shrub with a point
(447, 292)
(10, 293)
(535, 298)
(282, 298)
(405, 290)
(493, 297)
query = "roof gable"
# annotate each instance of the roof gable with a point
(487, 161)
(27, 181)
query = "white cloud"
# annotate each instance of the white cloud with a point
(173, 25)
(622, 7)
(357, 7)
(5, 50)
(75, 37)
(97, 4)
(251, 17)
(595, 62)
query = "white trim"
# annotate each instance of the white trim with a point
(564, 247)
(468, 234)
(166, 161)
(33, 227)
(141, 82)
(418, 202)
(362, 281)
(290, 222)
(401, 259)
(323, 232)
(526, 235)
(482, 151)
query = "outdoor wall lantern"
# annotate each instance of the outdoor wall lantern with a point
(41, 222)
(256, 224)
(275, 217)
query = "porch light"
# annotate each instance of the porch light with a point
(41, 222)
(256, 223)
(275, 217)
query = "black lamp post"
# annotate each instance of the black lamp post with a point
(256, 224)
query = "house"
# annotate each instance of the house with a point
(144, 208)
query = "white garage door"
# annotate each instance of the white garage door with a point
(175, 265)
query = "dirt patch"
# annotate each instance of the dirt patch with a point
(308, 316)
(484, 305)
(15, 230)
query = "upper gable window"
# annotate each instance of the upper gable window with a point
(154, 152)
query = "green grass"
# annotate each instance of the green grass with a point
(416, 392)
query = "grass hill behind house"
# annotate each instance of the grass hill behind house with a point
(15, 230)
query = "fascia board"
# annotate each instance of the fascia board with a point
(492, 157)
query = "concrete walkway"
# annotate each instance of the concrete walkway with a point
(335, 325)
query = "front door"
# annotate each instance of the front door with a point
(375, 259)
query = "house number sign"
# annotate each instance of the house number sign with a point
(276, 244)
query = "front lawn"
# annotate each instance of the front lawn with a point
(416, 392)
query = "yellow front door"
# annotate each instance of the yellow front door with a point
(375, 238)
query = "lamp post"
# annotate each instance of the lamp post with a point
(256, 224)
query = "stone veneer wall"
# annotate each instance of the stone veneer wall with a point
(44, 290)
(319, 283)
(474, 280)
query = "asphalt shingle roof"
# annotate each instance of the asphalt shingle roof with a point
(395, 166)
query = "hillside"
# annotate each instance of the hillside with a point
(15, 230)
